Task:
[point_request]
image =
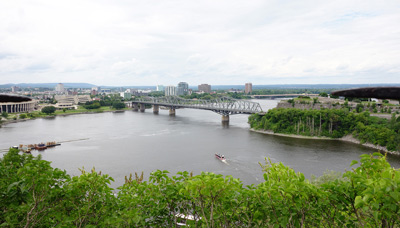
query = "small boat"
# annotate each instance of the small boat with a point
(40, 146)
(220, 157)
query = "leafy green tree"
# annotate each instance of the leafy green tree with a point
(32, 191)
(22, 116)
(118, 105)
(4, 114)
(94, 105)
(33, 194)
(48, 109)
(323, 94)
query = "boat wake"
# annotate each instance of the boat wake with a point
(224, 161)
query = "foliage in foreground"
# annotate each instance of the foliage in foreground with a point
(333, 123)
(33, 194)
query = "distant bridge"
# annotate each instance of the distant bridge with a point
(224, 106)
(283, 95)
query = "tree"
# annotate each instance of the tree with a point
(4, 114)
(118, 105)
(323, 94)
(49, 109)
(22, 116)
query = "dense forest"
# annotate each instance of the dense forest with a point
(33, 194)
(333, 123)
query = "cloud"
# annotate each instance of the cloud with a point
(215, 42)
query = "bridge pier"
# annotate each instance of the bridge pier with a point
(225, 118)
(142, 108)
(156, 109)
(172, 112)
(135, 107)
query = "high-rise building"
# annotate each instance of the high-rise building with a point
(248, 88)
(14, 89)
(60, 88)
(182, 89)
(205, 88)
(160, 88)
(170, 91)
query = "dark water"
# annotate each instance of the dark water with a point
(122, 143)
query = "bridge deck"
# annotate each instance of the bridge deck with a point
(223, 106)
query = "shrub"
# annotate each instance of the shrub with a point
(49, 109)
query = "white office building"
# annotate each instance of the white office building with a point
(170, 91)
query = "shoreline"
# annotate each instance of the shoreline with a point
(61, 114)
(347, 138)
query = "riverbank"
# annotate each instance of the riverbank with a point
(9, 121)
(347, 138)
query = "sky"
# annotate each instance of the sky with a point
(218, 42)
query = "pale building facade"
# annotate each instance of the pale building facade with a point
(68, 99)
(248, 88)
(60, 88)
(14, 107)
(170, 91)
(206, 88)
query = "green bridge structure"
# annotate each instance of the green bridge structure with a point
(224, 106)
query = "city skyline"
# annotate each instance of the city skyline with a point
(156, 42)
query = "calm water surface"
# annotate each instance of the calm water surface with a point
(122, 143)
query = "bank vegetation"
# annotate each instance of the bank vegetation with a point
(33, 194)
(331, 123)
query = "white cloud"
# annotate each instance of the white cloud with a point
(216, 42)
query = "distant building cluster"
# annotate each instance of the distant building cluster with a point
(71, 97)
(181, 89)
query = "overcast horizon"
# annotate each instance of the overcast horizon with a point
(215, 42)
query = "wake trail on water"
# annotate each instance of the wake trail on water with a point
(74, 140)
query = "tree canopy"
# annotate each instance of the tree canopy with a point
(333, 123)
(33, 194)
(49, 109)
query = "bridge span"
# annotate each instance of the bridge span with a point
(224, 106)
(283, 95)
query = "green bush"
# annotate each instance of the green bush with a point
(33, 194)
(48, 109)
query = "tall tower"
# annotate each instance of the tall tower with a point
(170, 91)
(160, 88)
(183, 88)
(248, 88)
(60, 88)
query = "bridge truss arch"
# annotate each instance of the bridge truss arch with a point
(223, 106)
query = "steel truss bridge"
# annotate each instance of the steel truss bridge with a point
(224, 105)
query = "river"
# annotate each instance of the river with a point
(122, 143)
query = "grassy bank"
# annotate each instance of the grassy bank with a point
(16, 117)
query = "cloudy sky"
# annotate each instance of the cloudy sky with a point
(129, 42)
